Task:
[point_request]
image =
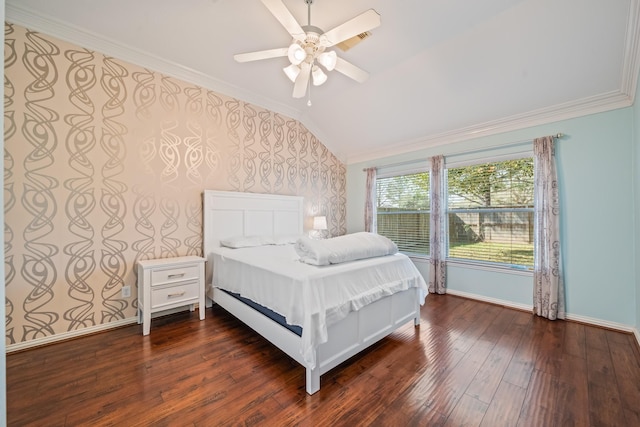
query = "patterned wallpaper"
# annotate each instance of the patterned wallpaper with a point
(104, 165)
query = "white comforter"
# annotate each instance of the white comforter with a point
(313, 297)
(349, 247)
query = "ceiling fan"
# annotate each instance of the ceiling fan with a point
(310, 45)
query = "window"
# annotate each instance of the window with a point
(490, 212)
(403, 211)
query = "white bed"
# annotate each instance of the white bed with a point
(332, 331)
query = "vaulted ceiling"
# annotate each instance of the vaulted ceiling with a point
(440, 70)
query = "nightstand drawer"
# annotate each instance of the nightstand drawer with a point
(174, 274)
(169, 295)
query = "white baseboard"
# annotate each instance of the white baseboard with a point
(574, 317)
(69, 334)
(87, 331)
(508, 304)
(636, 332)
(599, 322)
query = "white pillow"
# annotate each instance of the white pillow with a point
(285, 239)
(237, 242)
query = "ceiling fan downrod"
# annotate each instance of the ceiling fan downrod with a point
(309, 3)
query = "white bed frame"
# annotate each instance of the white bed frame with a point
(228, 214)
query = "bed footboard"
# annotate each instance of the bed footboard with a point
(356, 332)
(362, 328)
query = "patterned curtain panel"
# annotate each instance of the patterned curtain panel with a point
(437, 247)
(548, 290)
(370, 219)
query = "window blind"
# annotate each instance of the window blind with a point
(490, 212)
(403, 211)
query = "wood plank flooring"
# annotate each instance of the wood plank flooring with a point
(469, 363)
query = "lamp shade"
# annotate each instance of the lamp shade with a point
(292, 72)
(328, 60)
(318, 76)
(319, 222)
(296, 54)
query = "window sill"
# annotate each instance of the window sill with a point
(418, 258)
(497, 268)
(507, 269)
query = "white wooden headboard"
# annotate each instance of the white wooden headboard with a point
(228, 214)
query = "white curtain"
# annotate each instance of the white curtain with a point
(370, 214)
(548, 291)
(437, 247)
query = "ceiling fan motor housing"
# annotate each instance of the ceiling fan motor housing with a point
(311, 43)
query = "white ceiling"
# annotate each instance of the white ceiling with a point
(440, 70)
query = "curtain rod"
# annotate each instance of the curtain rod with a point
(556, 136)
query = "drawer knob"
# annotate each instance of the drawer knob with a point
(175, 276)
(175, 294)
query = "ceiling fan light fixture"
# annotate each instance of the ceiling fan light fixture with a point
(296, 53)
(328, 60)
(307, 52)
(292, 71)
(318, 76)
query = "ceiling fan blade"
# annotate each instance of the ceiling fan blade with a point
(300, 87)
(261, 54)
(360, 24)
(350, 70)
(282, 14)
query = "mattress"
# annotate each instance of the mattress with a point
(312, 297)
(278, 318)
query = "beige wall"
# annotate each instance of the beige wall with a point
(104, 165)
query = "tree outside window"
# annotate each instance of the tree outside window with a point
(490, 212)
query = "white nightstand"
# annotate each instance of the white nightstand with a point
(169, 283)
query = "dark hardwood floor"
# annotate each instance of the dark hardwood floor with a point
(469, 363)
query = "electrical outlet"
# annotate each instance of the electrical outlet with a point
(126, 291)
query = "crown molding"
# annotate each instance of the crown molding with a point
(625, 97)
(582, 107)
(108, 47)
(591, 105)
(631, 61)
